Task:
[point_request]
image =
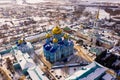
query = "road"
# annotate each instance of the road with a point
(43, 59)
(48, 73)
(5, 73)
(83, 54)
(47, 66)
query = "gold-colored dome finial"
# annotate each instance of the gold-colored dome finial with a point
(48, 35)
(65, 36)
(20, 41)
(56, 30)
(55, 40)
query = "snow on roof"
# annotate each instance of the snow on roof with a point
(35, 36)
(0, 56)
(75, 75)
(117, 53)
(26, 48)
(96, 50)
(51, 27)
(36, 73)
(29, 45)
(40, 18)
(110, 23)
(107, 77)
(117, 62)
(24, 60)
(96, 71)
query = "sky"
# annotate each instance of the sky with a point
(114, 1)
(37, 1)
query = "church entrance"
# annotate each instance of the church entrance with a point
(62, 56)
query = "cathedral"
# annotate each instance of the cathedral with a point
(58, 46)
(24, 47)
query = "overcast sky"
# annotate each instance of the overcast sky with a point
(114, 1)
(36, 1)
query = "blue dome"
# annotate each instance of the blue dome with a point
(47, 47)
(24, 42)
(16, 42)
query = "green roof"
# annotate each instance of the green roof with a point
(67, 28)
(89, 71)
(95, 50)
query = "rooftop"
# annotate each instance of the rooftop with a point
(89, 72)
(36, 74)
(24, 60)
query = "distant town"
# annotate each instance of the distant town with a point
(59, 40)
